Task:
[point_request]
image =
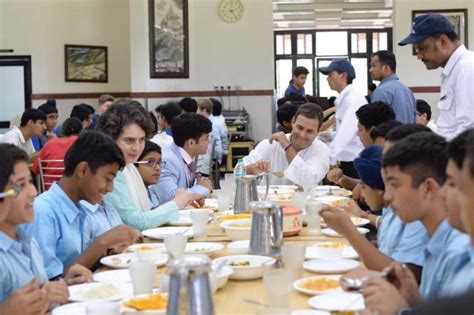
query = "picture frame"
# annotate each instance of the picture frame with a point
(168, 38)
(457, 16)
(85, 63)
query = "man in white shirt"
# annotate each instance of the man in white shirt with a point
(302, 158)
(168, 112)
(437, 45)
(346, 145)
(31, 125)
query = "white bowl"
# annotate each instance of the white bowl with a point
(333, 201)
(223, 276)
(129, 310)
(235, 232)
(239, 247)
(330, 252)
(148, 255)
(255, 270)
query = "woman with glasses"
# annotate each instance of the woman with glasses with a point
(149, 166)
(129, 124)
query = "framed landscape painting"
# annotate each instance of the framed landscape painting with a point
(168, 37)
(85, 63)
(457, 16)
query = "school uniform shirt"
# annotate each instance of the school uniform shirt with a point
(462, 267)
(15, 137)
(162, 139)
(404, 242)
(346, 145)
(456, 108)
(58, 228)
(445, 243)
(307, 168)
(100, 219)
(21, 262)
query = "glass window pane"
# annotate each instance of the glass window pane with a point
(362, 42)
(287, 44)
(300, 43)
(360, 82)
(354, 43)
(331, 43)
(279, 44)
(383, 40)
(284, 73)
(324, 89)
(375, 42)
(308, 64)
(309, 43)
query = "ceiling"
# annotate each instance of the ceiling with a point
(329, 14)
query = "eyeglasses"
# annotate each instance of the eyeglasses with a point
(11, 193)
(152, 163)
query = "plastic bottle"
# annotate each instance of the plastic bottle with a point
(239, 169)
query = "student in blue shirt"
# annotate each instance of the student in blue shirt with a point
(297, 83)
(91, 165)
(397, 241)
(414, 171)
(29, 298)
(149, 166)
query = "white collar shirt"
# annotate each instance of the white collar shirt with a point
(15, 137)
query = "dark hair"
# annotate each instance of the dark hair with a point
(189, 126)
(80, 111)
(387, 58)
(7, 165)
(95, 148)
(423, 107)
(299, 71)
(17, 154)
(372, 87)
(422, 155)
(373, 114)
(349, 80)
(106, 98)
(32, 114)
(286, 113)
(382, 129)
(169, 111)
(470, 153)
(158, 109)
(48, 108)
(453, 36)
(216, 107)
(331, 101)
(311, 111)
(122, 113)
(72, 127)
(297, 99)
(457, 147)
(282, 101)
(149, 147)
(155, 123)
(90, 108)
(403, 131)
(188, 105)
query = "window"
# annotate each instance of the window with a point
(305, 44)
(331, 43)
(358, 43)
(283, 44)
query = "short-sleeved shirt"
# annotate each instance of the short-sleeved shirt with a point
(21, 262)
(293, 89)
(443, 245)
(404, 242)
(100, 219)
(58, 228)
(15, 137)
(462, 267)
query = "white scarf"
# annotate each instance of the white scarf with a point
(136, 187)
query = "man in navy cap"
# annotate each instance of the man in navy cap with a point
(346, 145)
(437, 45)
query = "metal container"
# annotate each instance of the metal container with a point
(246, 192)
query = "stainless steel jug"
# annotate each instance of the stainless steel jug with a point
(266, 236)
(246, 193)
(189, 290)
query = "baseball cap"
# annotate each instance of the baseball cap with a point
(339, 65)
(427, 25)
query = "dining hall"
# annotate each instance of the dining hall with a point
(236, 157)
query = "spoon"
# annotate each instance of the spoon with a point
(355, 285)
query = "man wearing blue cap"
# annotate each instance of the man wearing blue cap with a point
(346, 145)
(437, 45)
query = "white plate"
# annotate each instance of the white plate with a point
(123, 260)
(274, 192)
(333, 201)
(88, 292)
(297, 285)
(239, 247)
(330, 266)
(323, 190)
(255, 270)
(185, 218)
(338, 301)
(273, 187)
(203, 248)
(188, 211)
(309, 312)
(355, 221)
(162, 232)
(313, 252)
(113, 276)
(78, 308)
(133, 248)
(332, 233)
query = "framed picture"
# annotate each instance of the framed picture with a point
(457, 16)
(85, 63)
(168, 31)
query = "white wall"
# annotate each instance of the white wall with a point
(412, 71)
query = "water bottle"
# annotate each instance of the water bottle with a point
(239, 169)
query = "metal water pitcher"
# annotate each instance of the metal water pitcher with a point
(189, 289)
(246, 192)
(266, 236)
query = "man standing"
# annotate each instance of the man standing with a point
(346, 145)
(390, 90)
(437, 45)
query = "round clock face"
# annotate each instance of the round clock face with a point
(231, 10)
